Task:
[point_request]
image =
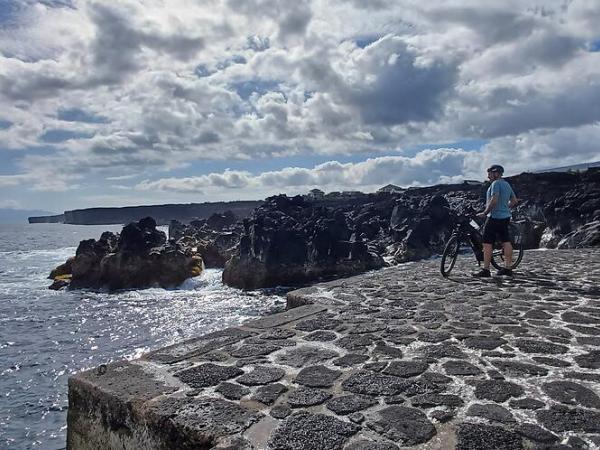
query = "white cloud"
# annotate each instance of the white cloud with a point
(427, 167)
(249, 80)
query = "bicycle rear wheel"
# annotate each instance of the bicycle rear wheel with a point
(449, 256)
(518, 249)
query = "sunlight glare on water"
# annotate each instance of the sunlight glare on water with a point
(45, 336)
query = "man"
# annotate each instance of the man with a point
(500, 197)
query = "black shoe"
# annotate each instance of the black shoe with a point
(483, 273)
(505, 272)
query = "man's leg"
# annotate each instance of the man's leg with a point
(507, 249)
(487, 256)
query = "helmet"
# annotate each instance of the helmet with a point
(496, 168)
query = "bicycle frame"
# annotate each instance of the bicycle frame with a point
(465, 232)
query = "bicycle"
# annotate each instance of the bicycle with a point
(468, 232)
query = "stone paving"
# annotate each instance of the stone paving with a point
(397, 358)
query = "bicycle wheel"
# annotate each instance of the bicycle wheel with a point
(518, 250)
(449, 256)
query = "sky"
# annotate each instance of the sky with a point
(133, 102)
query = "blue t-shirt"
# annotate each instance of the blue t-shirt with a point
(504, 192)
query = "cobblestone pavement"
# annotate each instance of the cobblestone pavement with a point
(399, 358)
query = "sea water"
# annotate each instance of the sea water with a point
(46, 336)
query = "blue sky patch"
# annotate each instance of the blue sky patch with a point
(246, 88)
(56, 136)
(365, 41)
(79, 115)
(4, 124)
(594, 46)
(201, 71)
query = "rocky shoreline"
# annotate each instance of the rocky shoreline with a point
(399, 357)
(291, 241)
(138, 257)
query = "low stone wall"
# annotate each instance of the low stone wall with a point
(395, 358)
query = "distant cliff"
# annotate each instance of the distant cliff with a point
(58, 218)
(163, 214)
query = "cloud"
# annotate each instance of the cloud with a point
(109, 90)
(427, 167)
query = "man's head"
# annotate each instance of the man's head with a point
(495, 172)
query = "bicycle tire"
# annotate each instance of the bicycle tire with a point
(518, 250)
(450, 254)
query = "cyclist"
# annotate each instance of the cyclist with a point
(500, 197)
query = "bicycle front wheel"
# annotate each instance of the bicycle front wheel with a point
(516, 239)
(449, 256)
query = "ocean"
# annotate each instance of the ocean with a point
(46, 336)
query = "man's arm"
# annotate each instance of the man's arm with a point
(513, 201)
(490, 205)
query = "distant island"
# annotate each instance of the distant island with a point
(163, 214)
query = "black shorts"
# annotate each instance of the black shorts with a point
(496, 230)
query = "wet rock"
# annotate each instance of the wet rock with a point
(317, 376)
(497, 390)
(350, 359)
(306, 431)
(590, 360)
(370, 383)
(318, 323)
(376, 366)
(387, 350)
(407, 426)
(356, 342)
(321, 336)
(571, 393)
(367, 327)
(249, 350)
(348, 404)
(583, 376)
(536, 433)
(575, 317)
(491, 412)
(198, 420)
(520, 368)
(270, 393)
(526, 403)
(305, 355)
(406, 369)
(471, 436)
(553, 362)
(442, 415)
(232, 391)
(576, 442)
(484, 342)
(233, 443)
(561, 418)
(356, 417)
(303, 397)
(422, 385)
(589, 340)
(262, 375)
(280, 411)
(432, 400)
(138, 257)
(540, 346)
(461, 368)
(443, 350)
(277, 334)
(537, 314)
(592, 331)
(433, 336)
(371, 445)
(207, 375)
